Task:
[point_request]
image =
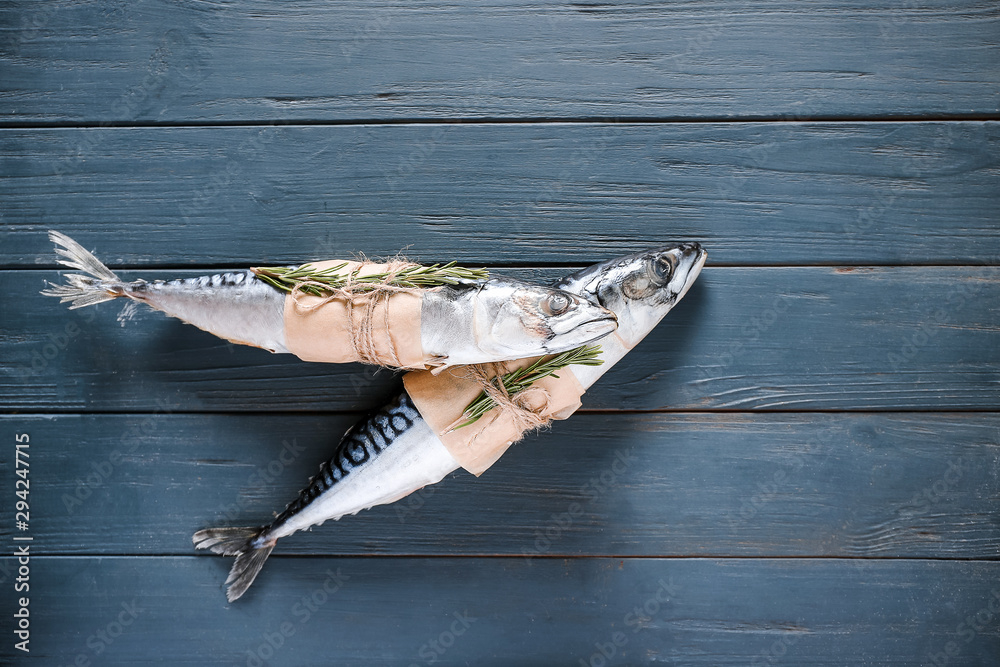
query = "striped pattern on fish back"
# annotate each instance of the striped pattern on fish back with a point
(219, 280)
(362, 443)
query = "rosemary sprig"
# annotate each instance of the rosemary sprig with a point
(522, 378)
(288, 278)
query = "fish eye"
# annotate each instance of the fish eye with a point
(637, 287)
(555, 304)
(661, 268)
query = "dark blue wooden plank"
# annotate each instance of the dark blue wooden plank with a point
(743, 338)
(444, 611)
(874, 486)
(715, 484)
(753, 193)
(312, 60)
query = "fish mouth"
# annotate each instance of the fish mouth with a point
(590, 331)
(698, 256)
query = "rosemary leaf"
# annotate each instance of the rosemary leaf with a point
(518, 380)
(319, 282)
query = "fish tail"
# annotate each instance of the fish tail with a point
(244, 543)
(98, 285)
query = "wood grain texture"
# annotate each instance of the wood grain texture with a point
(800, 466)
(856, 485)
(744, 338)
(445, 611)
(195, 61)
(752, 193)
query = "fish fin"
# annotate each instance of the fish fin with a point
(245, 570)
(79, 258)
(99, 285)
(237, 542)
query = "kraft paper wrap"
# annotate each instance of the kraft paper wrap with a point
(442, 398)
(323, 332)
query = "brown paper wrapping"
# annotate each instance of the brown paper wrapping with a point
(323, 332)
(441, 400)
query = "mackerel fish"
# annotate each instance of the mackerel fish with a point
(472, 322)
(394, 452)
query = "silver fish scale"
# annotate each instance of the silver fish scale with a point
(362, 443)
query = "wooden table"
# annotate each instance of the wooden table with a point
(801, 465)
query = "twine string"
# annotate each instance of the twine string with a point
(363, 332)
(367, 296)
(515, 407)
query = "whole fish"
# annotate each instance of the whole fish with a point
(395, 452)
(472, 322)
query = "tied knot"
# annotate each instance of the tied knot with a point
(368, 297)
(525, 409)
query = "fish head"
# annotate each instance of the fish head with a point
(520, 320)
(641, 288)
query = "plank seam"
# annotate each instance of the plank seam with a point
(528, 120)
(522, 556)
(6, 412)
